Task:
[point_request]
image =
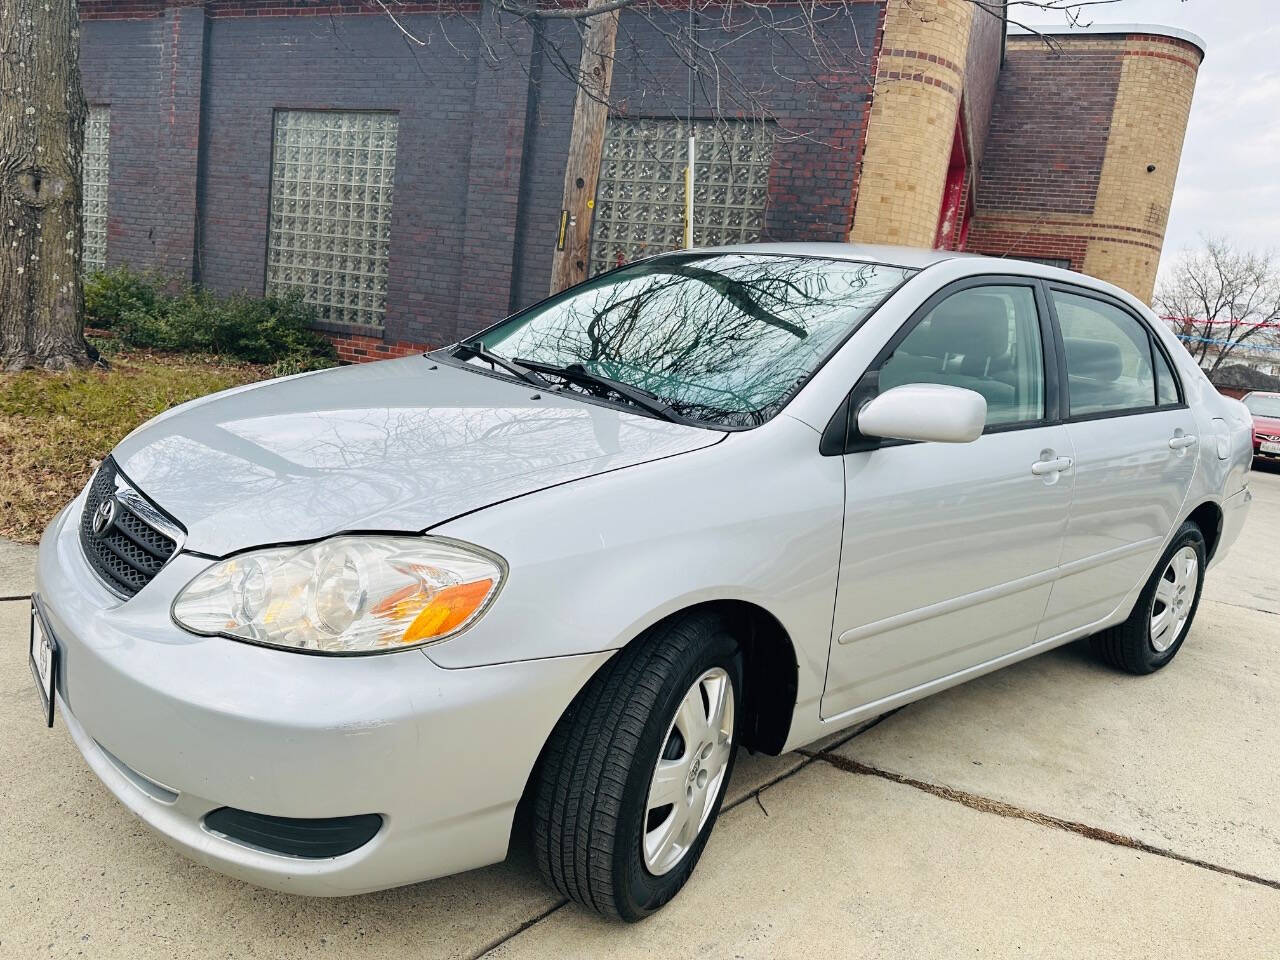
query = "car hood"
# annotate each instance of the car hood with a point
(398, 445)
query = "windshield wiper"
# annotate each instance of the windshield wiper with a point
(577, 373)
(466, 351)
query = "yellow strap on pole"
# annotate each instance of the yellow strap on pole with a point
(688, 193)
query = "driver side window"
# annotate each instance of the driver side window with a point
(985, 339)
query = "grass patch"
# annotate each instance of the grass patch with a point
(56, 428)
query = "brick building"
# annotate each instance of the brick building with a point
(413, 194)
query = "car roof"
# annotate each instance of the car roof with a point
(915, 257)
(1262, 393)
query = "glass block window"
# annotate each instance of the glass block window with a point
(640, 196)
(93, 189)
(330, 226)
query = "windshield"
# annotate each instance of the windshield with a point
(719, 338)
(1263, 405)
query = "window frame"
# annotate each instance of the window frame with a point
(842, 436)
(1153, 344)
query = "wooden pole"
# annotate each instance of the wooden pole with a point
(586, 144)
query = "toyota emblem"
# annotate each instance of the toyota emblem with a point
(104, 516)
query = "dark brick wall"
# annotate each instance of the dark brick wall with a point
(820, 117)
(981, 75)
(178, 140)
(480, 152)
(120, 62)
(258, 65)
(494, 171)
(1049, 129)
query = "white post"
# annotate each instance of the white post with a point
(688, 191)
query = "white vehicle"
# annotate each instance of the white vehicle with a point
(325, 633)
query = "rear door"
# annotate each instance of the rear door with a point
(1135, 444)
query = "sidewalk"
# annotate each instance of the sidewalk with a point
(1053, 809)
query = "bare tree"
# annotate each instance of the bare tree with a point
(1220, 298)
(42, 115)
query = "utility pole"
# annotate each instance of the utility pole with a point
(586, 144)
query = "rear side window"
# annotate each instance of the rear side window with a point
(1166, 386)
(1108, 355)
(985, 339)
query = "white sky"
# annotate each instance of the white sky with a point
(1229, 180)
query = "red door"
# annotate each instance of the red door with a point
(953, 222)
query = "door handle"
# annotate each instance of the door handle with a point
(1181, 441)
(1044, 468)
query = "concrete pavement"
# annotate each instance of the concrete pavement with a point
(1055, 808)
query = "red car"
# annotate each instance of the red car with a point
(1265, 408)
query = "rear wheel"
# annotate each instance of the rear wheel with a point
(1161, 619)
(632, 779)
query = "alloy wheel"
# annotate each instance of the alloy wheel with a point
(1175, 593)
(690, 770)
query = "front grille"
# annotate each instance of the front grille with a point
(1268, 438)
(129, 550)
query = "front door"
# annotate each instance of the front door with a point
(1135, 453)
(950, 550)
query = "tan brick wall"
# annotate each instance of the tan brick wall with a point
(1075, 129)
(1148, 127)
(919, 77)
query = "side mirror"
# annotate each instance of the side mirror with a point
(925, 411)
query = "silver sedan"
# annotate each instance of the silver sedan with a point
(326, 633)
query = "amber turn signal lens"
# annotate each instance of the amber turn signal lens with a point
(447, 610)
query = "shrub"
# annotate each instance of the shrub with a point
(110, 294)
(267, 330)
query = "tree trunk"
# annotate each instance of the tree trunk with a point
(586, 143)
(42, 114)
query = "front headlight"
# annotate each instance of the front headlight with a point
(351, 594)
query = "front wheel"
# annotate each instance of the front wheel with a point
(1161, 619)
(632, 778)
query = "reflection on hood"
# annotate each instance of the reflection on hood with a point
(397, 445)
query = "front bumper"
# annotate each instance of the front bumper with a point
(177, 725)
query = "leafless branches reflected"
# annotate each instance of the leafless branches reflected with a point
(723, 338)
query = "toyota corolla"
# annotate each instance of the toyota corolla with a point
(325, 633)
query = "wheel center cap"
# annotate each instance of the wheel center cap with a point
(697, 774)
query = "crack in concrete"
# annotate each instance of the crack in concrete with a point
(1243, 606)
(499, 941)
(809, 757)
(1001, 809)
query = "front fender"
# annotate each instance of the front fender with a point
(757, 518)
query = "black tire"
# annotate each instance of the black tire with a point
(1128, 646)
(594, 775)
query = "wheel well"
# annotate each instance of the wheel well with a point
(771, 675)
(770, 671)
(1208, 517)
